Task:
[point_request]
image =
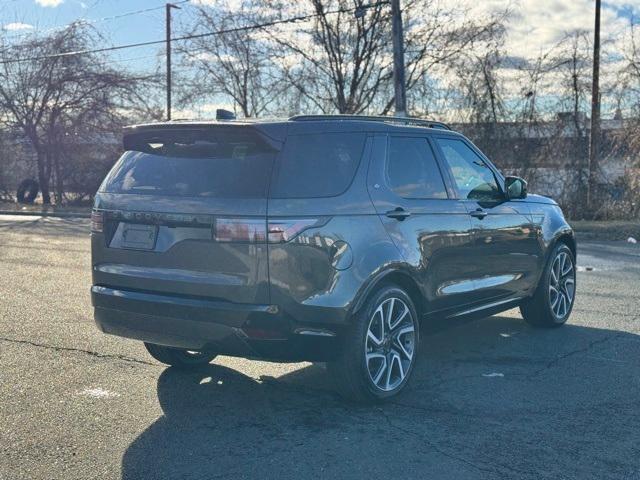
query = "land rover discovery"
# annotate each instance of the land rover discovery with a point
(317, 238)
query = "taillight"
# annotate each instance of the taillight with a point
(97, 221)
(284, 230)
(239, 230)
(256, 231)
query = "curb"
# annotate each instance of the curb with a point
(46, 214)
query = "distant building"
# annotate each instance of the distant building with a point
(553, 154)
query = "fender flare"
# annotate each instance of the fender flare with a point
(565, 232)
(379, 278)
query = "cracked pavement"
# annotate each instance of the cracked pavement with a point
(77, 404)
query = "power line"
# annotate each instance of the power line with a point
(136, 12)
(99, 20)
(258, 26)
(124, 60)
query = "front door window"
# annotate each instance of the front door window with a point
(473, 178)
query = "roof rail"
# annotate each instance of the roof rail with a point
(419, 122)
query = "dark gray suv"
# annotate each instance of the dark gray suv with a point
(318, 238)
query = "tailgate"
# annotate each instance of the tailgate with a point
(184, 213)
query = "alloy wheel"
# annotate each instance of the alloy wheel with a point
(562, 285)
(390, 344)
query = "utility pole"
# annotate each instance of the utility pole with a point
(594, 144)
(169, 6)
(398, 60)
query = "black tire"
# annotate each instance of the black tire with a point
(179, 357)
(351, 370)
(27, 191)
(542, 310)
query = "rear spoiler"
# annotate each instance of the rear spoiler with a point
(273, 134)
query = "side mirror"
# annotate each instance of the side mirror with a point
(516, 188)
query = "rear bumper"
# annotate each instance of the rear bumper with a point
(244, 330)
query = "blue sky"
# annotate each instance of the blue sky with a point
(18, 17)
(45, 14)
(629, 10)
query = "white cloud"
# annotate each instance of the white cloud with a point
(17, 26)
(211, 58)
(49, 3)
(226, 4)
(536, 26)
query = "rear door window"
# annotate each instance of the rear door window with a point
(219, 163)
(412, 169)
(317, 165)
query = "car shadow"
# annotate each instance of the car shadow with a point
(492, 398)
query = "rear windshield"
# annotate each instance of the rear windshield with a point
(223, 163)
(317, 165)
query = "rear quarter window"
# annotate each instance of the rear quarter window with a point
(317, 165)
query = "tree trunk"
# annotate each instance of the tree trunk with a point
(59, 184)
(43, 177)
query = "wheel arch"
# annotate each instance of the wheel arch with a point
(565, 236)
(569, 239)
(398, 277)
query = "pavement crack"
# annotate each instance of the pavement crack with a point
(633, 316)
(571, 353)
(123, 358)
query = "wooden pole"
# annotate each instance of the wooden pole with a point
(398, 60)
(594, 144)
(169, 6)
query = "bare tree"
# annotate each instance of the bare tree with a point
(236, 65)
(479, 83)
(626, 143)
(440, 34)
(46, 94)
(481, 102)
(342, 62)
(336, 62)
(572, 63)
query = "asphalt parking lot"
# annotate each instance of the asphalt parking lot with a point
(490, 398)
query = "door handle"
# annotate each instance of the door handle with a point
(479, 213)
(399, 214)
